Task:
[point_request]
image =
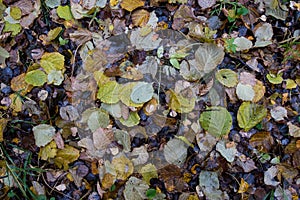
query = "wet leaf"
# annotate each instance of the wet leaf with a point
(135, 189)
(263, 33)
(227, 77)
(142, 92)
(175, 152)
(245, 92)
(64, 12)
(52, 61)
(209, 179)
(123, 167)
(278, 113)
(216, 121)
(109, 92)
(66, 156)
(130, 5)
(250, 114)
(36, 77)
(43, 134)
(16, 102)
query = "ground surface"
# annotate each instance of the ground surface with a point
(156, 99)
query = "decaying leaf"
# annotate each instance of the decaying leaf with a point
(3, 123)
(228, 153)
(269, 176)
(278, 113)
(130, 5)
(148, 172)
(123, 167)
(140, 17)
(294, 130)
(66, 156)
(227, 77)
(135, 189)
(263, 141)
(52, 61)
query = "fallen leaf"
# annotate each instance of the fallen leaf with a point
(43, 134)
(56, 77)
(64, 12)
(49, 151)
(97, 119)
(130, 5)
(245, 92)
(69, 113)
(278, 113)
(142, 155)
(216, 121)
(228, 153)
(36, 78)
(142, 92)
(263, 33)
(66, 156)
(148, 172)
(242, 44)
(135, 189)
(293, 130)
(227, 77)
(206, 3)
(263, 141)
(132, 120)
(140, 17)
(175, 152)
(269, 176)
(3, 123)
(102, 138)
(52, 61)
(249, 115)
(123, 167)
(243, 186)
(109, 92)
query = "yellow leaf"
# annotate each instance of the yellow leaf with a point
(16, 102)
(243, 186)
(49, 151)
(66, 156)
(52, 61)
(259, 91)
(18, 84)
(130, 5)
(290, 84)
(123, 167)
(52, 34)
(140, 17)
(3, 123)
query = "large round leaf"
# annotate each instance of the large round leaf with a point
(216, 120)
(36, 78)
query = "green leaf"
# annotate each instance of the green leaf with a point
(151, 193)
(174, 62)
(43, 134)
(55, 77)
(148, 172)
(125, 94)
(242, 11)
(98, 119)
(52, 34)
(15, 12)
(142, 92)
(227, 77)
(175, 152)
(275, 79)
(13, 28)
(249, 115)
(64, 12)
(36, 78)
(216, 121)
(52, 3)
(62, 41)
(179, 103)
(53, 61)
(109, 92)
(133, 119)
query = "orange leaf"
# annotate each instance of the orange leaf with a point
(130, 5)
(140, 17)
(243, 186)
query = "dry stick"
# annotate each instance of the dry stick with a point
(289, 39)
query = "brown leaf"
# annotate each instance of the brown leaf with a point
(102, 138)
(206, 3)
(263, 141)
(81, 36)
(140, 17)
(3, 123)
(130, 5)
(18, 84)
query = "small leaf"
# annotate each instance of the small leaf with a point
(36, 78)
(249, 115)
(125, 94)
(275, 79)
(148, 172)
(135, 189)
(151, 193)
(52, 61)
(140, 17)
(133, 119)
(56, 77)
(278, 113)
(3, 123)
(52, 3)
(290, 84)
(216, 121)
(242, 44)
(43, 134)
(49, 151)
(179, 103)
(243, 186)
(64, 12)
(142, 92)
(15, 12)
(227, 77)
(52, 34)
(294, 130)
(174, 62)
(13, 28)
